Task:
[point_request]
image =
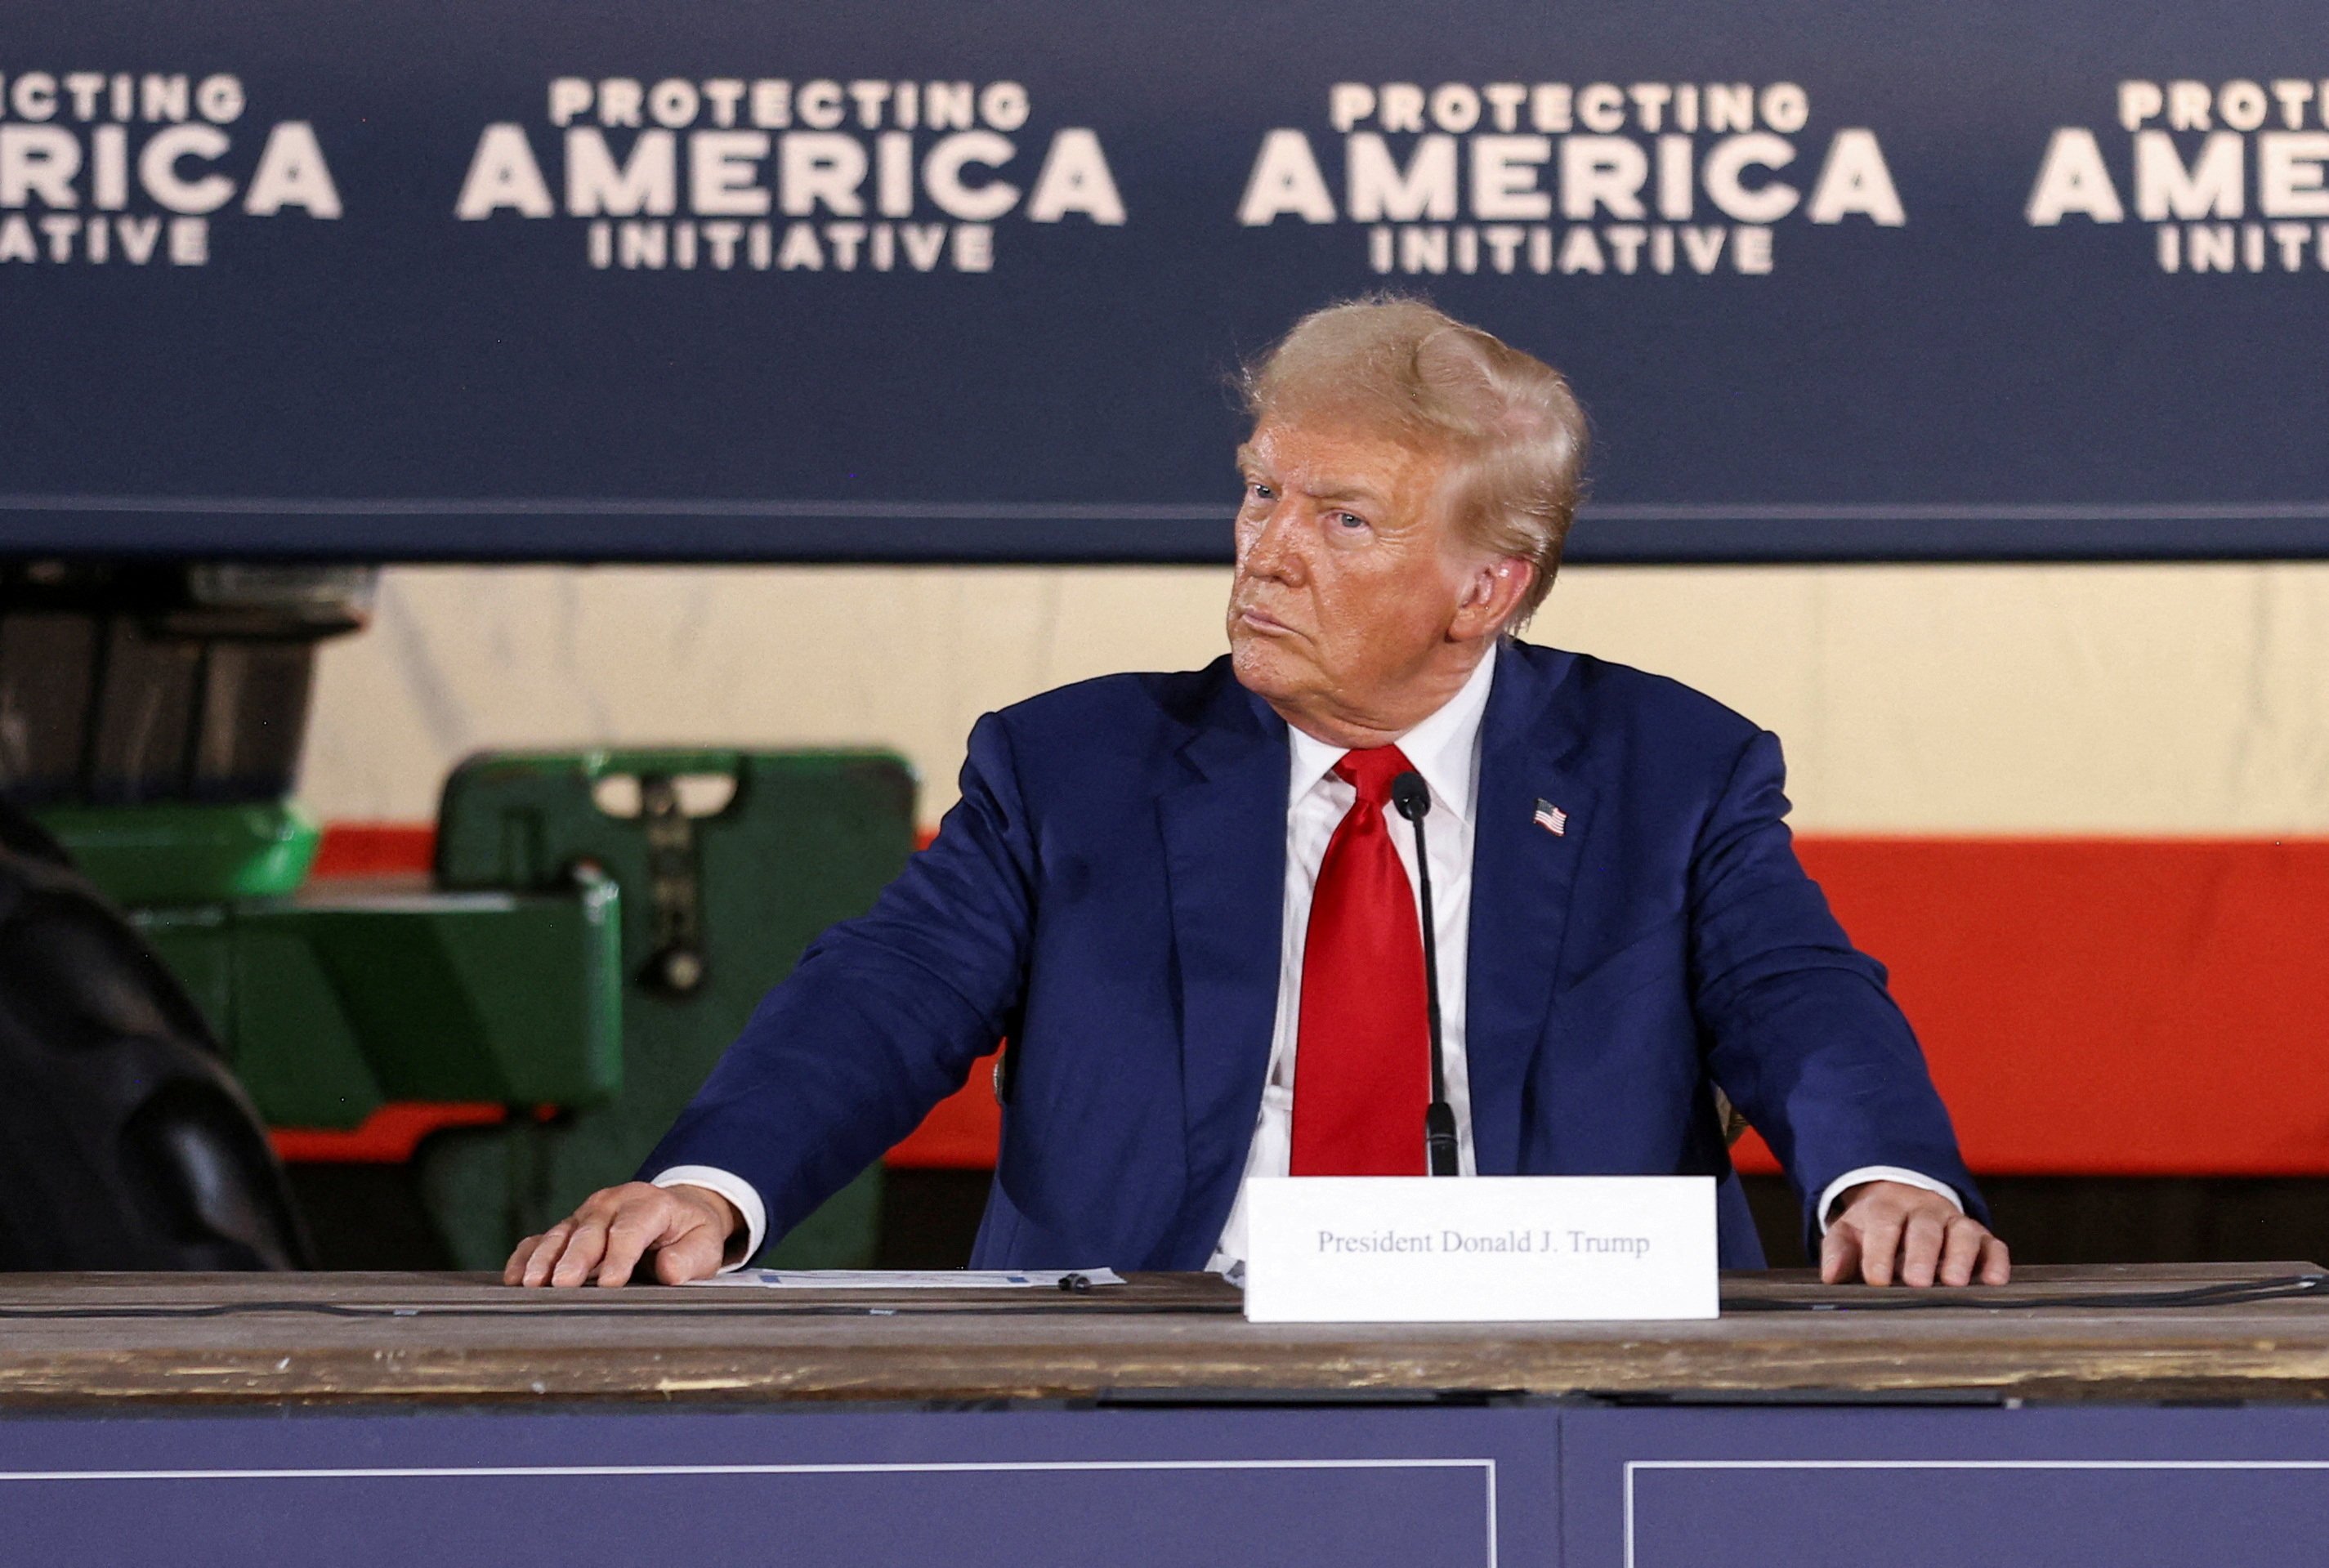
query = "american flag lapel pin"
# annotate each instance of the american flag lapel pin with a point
(1551, 819)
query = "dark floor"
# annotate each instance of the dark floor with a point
(369, 1217)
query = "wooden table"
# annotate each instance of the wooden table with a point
(379, 1419)
(311, 1338)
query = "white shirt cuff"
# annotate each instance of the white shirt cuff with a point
(736, 1190)
(1851, 1178)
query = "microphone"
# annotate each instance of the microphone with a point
(1412, 797)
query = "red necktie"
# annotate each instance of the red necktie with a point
(1362, 1063)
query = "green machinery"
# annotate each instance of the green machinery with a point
(715, 908)
(581, 967)
(331, 1003)
(597, 926)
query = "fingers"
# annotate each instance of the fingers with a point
(636, 1227)
(1962, 1253)
(514, 1271)
(1880, 1245)
(585, 1243)
(548, 1247)
(1839, 1254)
(1890, 1230)
(1932, 1250)
(1921, 1248)
(608, 1234)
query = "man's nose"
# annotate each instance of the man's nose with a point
(1274, 548)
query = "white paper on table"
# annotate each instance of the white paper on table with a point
(910, 1279)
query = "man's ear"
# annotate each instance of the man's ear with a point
(1491, 593)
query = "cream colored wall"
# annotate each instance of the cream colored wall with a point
(2113, 699)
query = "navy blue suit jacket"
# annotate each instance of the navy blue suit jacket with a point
(1108, 894)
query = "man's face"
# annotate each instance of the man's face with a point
(1348, 576)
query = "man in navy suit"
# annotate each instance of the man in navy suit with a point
(1179, 898)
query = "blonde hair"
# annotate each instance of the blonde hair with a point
(1403, 365)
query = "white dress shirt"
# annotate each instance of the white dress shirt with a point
(1445, 749)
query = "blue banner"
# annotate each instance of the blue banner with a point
(904, 280)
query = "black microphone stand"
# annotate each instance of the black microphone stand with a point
(1412, 797)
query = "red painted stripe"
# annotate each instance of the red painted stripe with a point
(961, 1134)
(387, 1137)
(376, 849)
(2109, 1007)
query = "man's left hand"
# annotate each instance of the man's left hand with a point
(1887, 1230)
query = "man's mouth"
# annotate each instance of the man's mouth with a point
(1263, 622)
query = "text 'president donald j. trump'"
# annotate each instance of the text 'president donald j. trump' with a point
(1179, 897)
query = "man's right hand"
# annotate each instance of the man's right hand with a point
(687, 1228)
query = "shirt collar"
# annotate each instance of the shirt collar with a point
(1445, 747)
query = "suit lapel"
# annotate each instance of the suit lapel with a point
(1522, 876)
(1224, 828)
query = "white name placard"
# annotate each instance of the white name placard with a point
(1404, 1249)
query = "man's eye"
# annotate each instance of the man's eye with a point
(1257, 491)
(1350, 521)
